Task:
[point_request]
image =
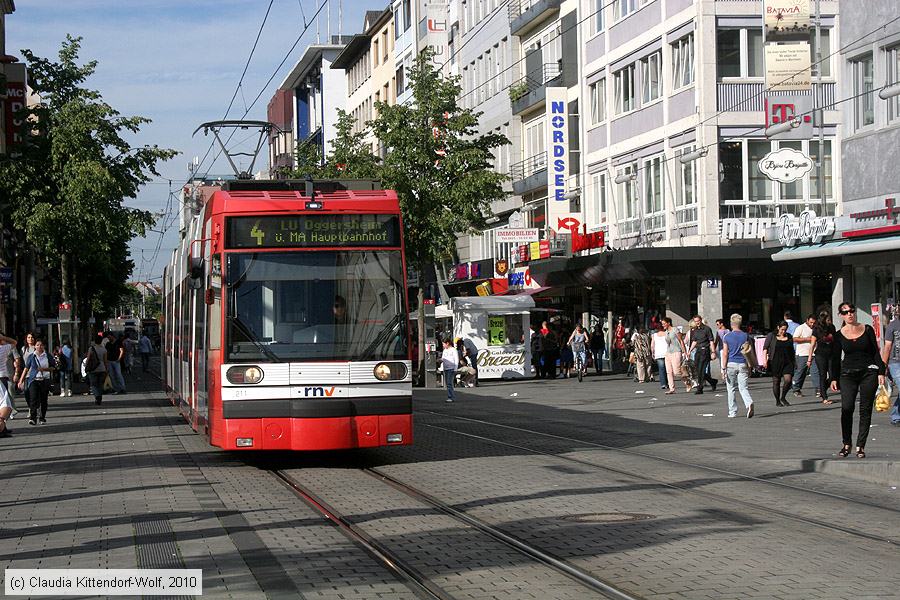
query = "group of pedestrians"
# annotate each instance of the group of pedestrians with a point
(564, 349)
(31, 371)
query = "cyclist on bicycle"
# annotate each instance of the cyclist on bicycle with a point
(578, 342)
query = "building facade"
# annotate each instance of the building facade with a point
(370, 69)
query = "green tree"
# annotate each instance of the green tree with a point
(65, 189)
(440, 167)
(350, 156)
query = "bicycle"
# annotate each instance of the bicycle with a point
(579, 364)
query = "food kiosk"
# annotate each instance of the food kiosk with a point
(499, 327)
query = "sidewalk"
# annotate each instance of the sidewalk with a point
(804, 436)
(128, 485)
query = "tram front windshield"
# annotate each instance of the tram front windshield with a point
(316, 306)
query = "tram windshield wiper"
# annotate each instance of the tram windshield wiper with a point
(252, 338)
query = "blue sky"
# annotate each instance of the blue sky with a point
(177, 62)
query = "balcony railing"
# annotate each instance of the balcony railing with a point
(749, 96)
(530, 90)
(523, 12)
(528, 167)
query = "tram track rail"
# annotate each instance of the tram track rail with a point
(418, 582)
(705, 494)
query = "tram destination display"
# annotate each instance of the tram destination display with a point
(311, 231)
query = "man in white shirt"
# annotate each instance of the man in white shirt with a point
(9, 357)
(804, 351)
(449, 361)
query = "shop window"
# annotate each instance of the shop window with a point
(863, 77)
(759, 185)
(814, 193)
(505, 330)
(792, 191)
(651, 77)
(731, 172)
(683, 62)
(826, 50)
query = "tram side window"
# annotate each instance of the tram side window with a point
(215, 322)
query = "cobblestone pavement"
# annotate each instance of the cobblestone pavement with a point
(129, 485)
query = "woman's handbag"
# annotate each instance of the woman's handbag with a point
(883, 399)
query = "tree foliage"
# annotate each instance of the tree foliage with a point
(66, 186)
(350, 157)
(437, 162)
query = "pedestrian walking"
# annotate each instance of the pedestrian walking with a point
(803, 349)
(449, 362)
(128, 358)
(823, 346)
(735, 369)
(674, 352)
(35, 381)
(703, 347)
(65, 365)
(642, 356)
(618, 353)
(115, 353)
(96, 368)
(537, 351)
(890, 354)
(781, 360)
(6, 409)
(466, 372)
(28, 349)
(13, 364)
(471, 354)
(145, 348)
(9, 367)
(856, 370)
(791, 324)
(566, 357)
(658, 348)
(551, 352)
(597, 345)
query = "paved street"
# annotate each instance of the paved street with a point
(653, 498)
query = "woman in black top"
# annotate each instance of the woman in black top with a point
(859, 371)
(781, 361)
(822, 348)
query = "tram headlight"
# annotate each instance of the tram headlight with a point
(241, 375)
(393, 371)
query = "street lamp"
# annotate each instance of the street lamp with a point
(890, 91)
(692, 156)
(625, 177)
(782, 127)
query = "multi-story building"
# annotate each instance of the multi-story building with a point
(371, 72)
(865, 240)
(315, 92)
(665, 124)
(406, 16)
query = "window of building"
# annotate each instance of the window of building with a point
(740, 52)
(744, 192)
(624, 89)
(375, 53)
(654, 202)
(685, 188)
(597, 97)
(535, 139)
(863, 74)
(597, 204)
(892, 60)
(407, 14)
(651, 77)
(683, 62)
(826, 50)
(401, 82)
(597, 20)
(398, 21)
(384, 46)
(627, 202)
(623, 8)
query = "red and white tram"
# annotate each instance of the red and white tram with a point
(286, 318)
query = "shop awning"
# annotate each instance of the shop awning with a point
(524, 292)
(507, 304)
(838, 248)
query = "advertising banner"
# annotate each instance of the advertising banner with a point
(786, 20)
(496, 330)
(781, 108)
(788, 67)
(559, 212)
(516, 236)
